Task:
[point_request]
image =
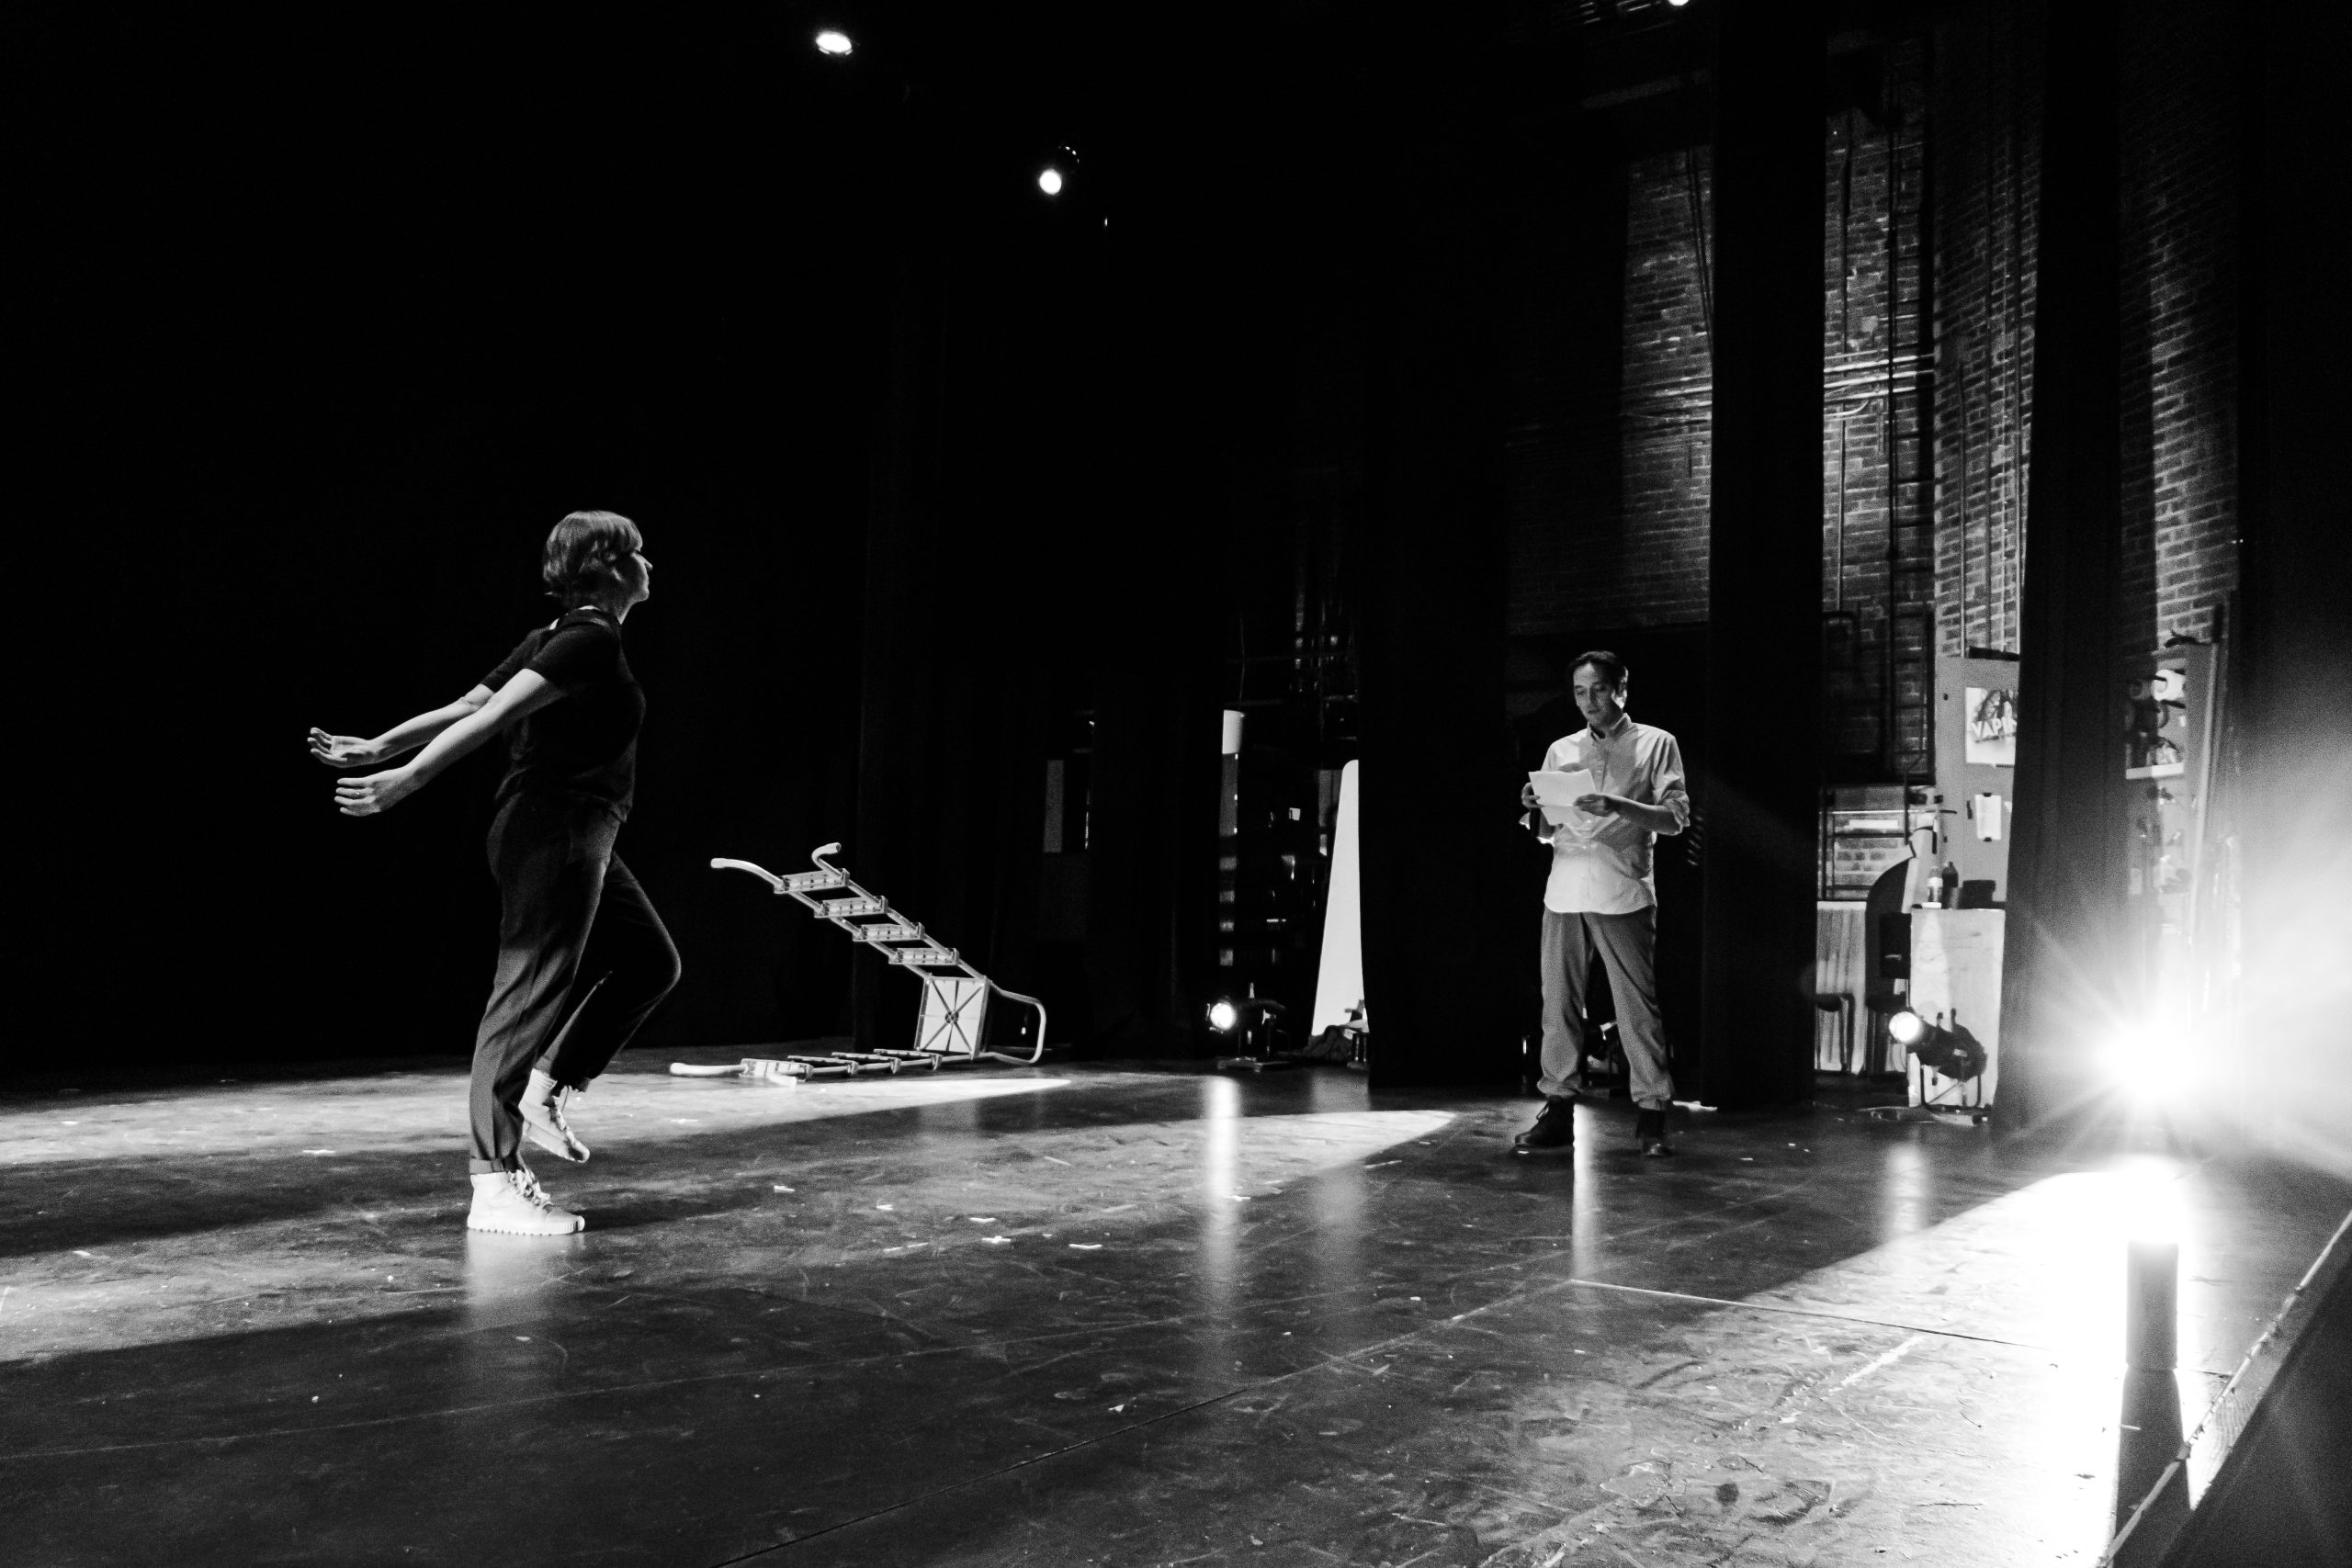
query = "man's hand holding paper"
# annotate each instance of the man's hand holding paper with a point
(1556, 794)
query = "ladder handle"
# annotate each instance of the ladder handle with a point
(769, 877)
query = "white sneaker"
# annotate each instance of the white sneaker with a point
(543, 1121)
(511, 1202)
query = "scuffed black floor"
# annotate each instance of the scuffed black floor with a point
(1081, 1315)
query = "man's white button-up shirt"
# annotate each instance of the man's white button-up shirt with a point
(1601, 866)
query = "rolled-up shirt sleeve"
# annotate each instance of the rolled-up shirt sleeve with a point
(1667, 787)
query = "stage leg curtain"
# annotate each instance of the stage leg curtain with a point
(1760, 792)
(2064, 944)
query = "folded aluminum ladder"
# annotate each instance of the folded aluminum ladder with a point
(955, 994)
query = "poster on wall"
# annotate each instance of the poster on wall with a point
(2157, 728)
(1992, 739)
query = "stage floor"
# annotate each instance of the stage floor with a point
(1075, 1315)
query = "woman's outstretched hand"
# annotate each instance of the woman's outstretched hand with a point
(376, 792)
(344, 750)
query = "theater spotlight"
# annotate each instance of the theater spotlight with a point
(1060, 168)
(1951, 1051)
(833, 40)
(1253, 1023)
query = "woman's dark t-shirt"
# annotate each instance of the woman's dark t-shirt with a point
(583, 747)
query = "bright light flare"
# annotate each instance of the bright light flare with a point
(834, 41)
(2148, 1198)
(1907, 1027)
(1050, 182)
(1223, 1016)
(2150, 1063)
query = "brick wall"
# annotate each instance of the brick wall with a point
(2180, 512)
(1987, 113)
(1663, 408)
(1922, 531)
(1877, 524)
(1607, 452)
(1628, 546)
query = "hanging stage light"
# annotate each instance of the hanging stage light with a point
(1948, 1049)
(834, 41)
(1061, 167)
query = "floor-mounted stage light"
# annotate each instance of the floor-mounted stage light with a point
(1949, 1050)
(834, 41)
(1252, 1023)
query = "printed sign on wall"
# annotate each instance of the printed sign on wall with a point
(1992, 727)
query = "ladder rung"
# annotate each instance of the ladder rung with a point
(843, 909)
(811, 881)
(863, 1062)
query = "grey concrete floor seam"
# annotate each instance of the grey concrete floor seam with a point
(1823, 1317)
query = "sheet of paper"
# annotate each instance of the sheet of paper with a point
(1558, 792)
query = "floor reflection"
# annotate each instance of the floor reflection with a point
(1221, 1199)
(1197, 1311)
(505, 1350)
(1906, 1200)
(2148, 1438)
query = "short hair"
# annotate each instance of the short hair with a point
(584, 553)
(1611, 668)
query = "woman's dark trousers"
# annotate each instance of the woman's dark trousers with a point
(583, 961)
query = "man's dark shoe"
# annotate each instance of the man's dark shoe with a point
(1556, 1128)
(1649, 1132)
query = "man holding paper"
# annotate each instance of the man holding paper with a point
(1602, 798)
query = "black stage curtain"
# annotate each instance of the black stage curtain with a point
(1760, 792)
(1175, 345)
(1048, 501)
(2296, 653)
(337, 325)
(1438, 795)
(2067, 862)
(983, 448)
